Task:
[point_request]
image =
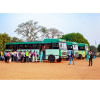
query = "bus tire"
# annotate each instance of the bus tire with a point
(59, 60)
(51, 58)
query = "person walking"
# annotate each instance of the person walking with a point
(87, 56)
(90, 58)
(72, 58)
(41, 55)
(33, 58)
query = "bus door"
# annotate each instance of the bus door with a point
(42, 47)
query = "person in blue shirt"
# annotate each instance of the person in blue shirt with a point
(87, 56)
(72, 58)
(41, 55)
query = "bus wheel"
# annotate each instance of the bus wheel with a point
(51, 58)
(58, 60)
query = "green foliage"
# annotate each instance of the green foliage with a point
(93, 48)
(5, 38)
(15, 39)
(75, 37)
(98, 48)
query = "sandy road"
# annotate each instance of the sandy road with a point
(50, 71)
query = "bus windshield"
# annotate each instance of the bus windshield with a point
(75, 47)
(62, 46)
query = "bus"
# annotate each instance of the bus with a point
(53, 49)
(82, 50)
(72, 46)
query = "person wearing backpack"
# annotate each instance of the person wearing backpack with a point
(72, 58)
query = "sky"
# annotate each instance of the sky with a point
(87, 24)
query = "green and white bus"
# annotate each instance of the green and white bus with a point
(54, 49)
(72, 46)
(82, 50)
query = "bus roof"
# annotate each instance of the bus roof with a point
(36, 42)
(82, 44)
(70, 43)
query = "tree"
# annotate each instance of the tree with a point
(29, 30)
(4, 38)
(75, 37)
(98, 48)
(51, 33)
(15, 39)
(93, 48)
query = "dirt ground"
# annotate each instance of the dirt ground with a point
(50, 71)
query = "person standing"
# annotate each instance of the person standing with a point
(8, 56)
(30, 56)
(27, 56)
(41, 55)
(87, 56)
(33, 54)
(5, 57)
(72, 58)
(90, 58)
(16, 56)
(12, 56)
(36, 56)
(0, 55)
(21, 56)
(94, 55)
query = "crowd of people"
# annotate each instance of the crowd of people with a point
(28, 56)
(25, 56)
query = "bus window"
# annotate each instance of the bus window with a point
(30, 46)
(14, 47)
(25, 46)
(20, 46)
(55, 46)
(36, 46)
(9, 47)
(49, 46)
(69, 47)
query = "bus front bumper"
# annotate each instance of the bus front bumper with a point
(63, 57)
